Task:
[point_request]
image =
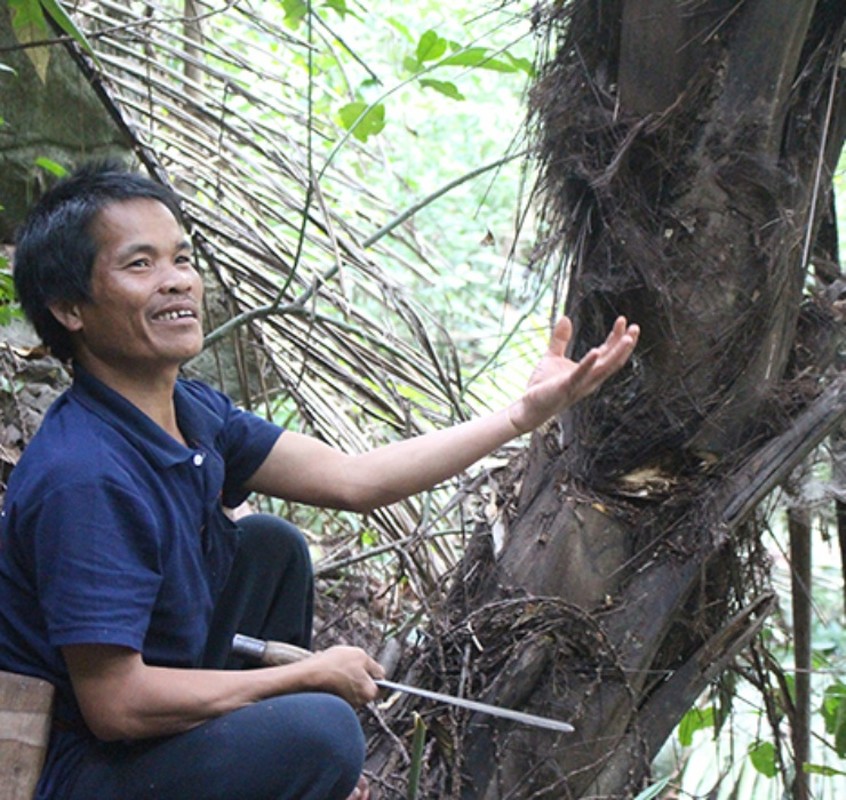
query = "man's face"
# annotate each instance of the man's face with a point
(144, 313)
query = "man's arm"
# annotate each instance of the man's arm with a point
(302, 469)
(121, 697)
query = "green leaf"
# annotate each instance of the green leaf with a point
(30, 25)
(51, 166)
(654, 790)
(362, 119)
(820, 769)
(834, 713)
(790, 684)
(478, 57)
(9, 309)
(338, 6)
(295, 12)
(431, 47)
(66, 24)
(6, 68)
(763, 758)
(411, 64)
(28, 14)
(521, 64)
(368, 538)
(400, 28)
(696, 719)
(444, 87)
(418, 746)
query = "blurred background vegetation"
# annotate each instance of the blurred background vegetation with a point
(406, 129)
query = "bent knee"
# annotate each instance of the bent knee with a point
(335, 732)
(329, 743)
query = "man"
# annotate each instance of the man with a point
(121, 578)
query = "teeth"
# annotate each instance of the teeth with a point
(175, 314)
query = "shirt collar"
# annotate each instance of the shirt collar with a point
(198, 423)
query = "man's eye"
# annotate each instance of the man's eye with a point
(141, 263)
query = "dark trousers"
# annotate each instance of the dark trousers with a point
(269, 593)
(291, 747)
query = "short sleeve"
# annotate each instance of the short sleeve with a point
(242, 439)
(98, 558)
(248, 439)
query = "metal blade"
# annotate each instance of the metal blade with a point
(483, 708)
(271, 652)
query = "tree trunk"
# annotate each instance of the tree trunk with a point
(799, 525)
(686, 158)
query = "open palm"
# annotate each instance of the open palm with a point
(558, 382)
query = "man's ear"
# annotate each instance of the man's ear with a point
(67, 313)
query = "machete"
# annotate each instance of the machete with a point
(274, 653)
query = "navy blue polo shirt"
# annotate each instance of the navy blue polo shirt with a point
(114, 533)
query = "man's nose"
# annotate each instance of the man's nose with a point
(178, 279)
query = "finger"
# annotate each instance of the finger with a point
(629, 341)
(362, 790)
(619, 349)
(601, 362)
(561, 334)
(620, 334)
(618, 330)
(582, 374)
(375, 669)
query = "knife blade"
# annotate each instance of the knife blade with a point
(276, 653)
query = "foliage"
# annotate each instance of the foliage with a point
(9, 307)
(31, 26)
(296, 220)
(417, 745)
(762, 755)
(738, 744)
(696, 719)
(47, 164)
(834, 714)
(9, 310)
(395, 108)
(362, 120)
(469, 236)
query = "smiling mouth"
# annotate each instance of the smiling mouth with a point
(174, 315)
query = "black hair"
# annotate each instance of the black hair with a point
(55, 250)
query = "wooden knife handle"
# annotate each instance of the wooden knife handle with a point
(281, 653)
(268, 653)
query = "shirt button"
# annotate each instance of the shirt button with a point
(198, 459)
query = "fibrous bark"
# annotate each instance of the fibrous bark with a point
(686, 154)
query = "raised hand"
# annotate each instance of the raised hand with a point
(558, 382)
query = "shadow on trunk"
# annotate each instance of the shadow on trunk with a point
(686, 154)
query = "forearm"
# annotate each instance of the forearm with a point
(400, 469)
(161, 701)
(121, 697)
(305, 470)
(167, 701)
